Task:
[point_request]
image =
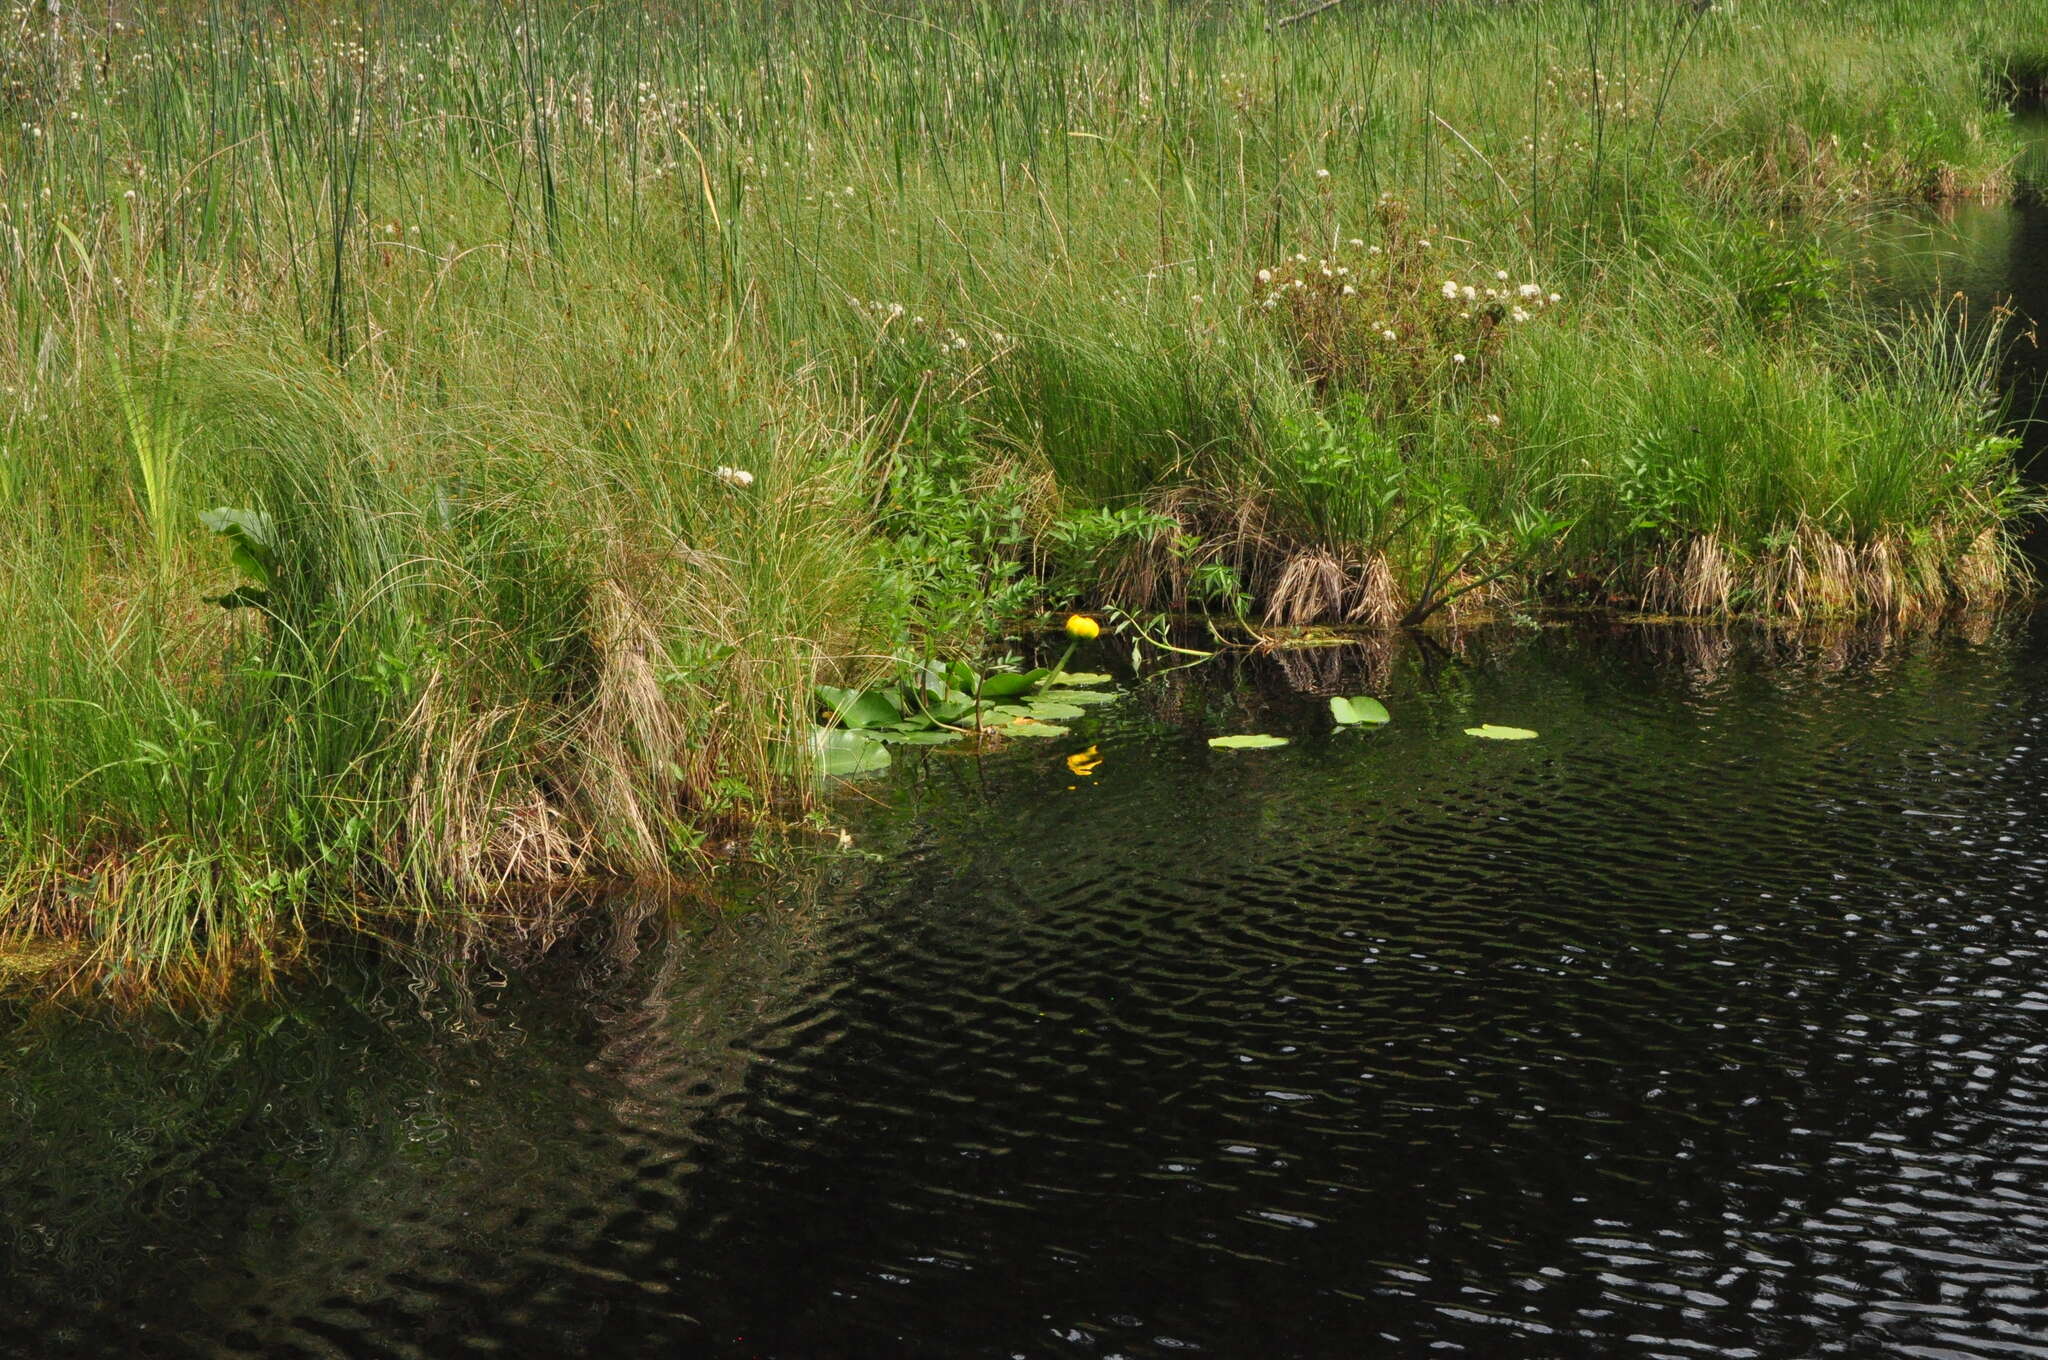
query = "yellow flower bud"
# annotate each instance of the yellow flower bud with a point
(1081, 626)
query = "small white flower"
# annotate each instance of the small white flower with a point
(1267, 304)
(1457, 358)
(733, 476)
(1424, 243)
(1386, 335)
(1529, 290)
(1469, 293)
(1355, 243)
(1322, 174)
(1265, 276)
(1493, 420)
(1519, 315)
(1450, 291)
(1501, 274)
(1372, 250)
(1557, 297)
(1196, 300)
(1349, 291)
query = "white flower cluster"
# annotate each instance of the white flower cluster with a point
(1336, 273)
(733, 476)
(1515, 301)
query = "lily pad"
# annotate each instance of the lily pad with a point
(839, 752)
(1493, 733)
(1045, 708)
(1074, 696)
(1085, 678)
(1249, 741)
(1029, 727)
(1359, 710)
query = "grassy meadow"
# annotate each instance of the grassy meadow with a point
(442, 445)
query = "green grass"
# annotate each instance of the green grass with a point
(468, 305)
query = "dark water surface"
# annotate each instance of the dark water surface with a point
(1713, 1022)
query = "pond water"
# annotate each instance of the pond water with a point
(1714, 1021)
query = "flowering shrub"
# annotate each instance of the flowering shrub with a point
(1395, 319)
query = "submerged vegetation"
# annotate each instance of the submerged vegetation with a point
(443, 447)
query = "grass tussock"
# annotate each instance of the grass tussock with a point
(441, 445)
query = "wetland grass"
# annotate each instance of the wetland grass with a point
(586, 382)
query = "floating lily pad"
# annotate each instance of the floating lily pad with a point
(1085, 678)
(839, 752)
(1030, 727)
(1046, 708)
(1074, 696)
(1492, 733)
(1359, 710)
(1249, 741)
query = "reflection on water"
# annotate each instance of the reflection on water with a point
(1711, 1022)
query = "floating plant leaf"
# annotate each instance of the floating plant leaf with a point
(1359, 710)
(1492, 733)
(1249, 741)
(1074, 696)
(840, 752)
(1045, 708)
(1031, 727)
(1084, 678)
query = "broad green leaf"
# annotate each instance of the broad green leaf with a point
(1030, 727)
(951, 710)
(1011, 710)
(1359, 710)
(248, 526)
(839, 752)
(859, 708)
(1045, 708)
(1250, 741)
(1493, 733)
(1007, 685)
(1073, 696)
(1085, 678)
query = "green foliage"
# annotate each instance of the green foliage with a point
(564, 443)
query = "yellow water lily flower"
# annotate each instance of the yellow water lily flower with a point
(1081, 626)
(1083, 763)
